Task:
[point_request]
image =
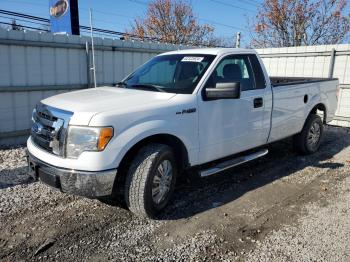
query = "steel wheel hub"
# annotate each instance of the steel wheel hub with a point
(162, 181)
(314, 134)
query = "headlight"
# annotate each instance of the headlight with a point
(82, 139)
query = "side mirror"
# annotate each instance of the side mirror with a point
(230, 90)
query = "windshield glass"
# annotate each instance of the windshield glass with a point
(170, 73)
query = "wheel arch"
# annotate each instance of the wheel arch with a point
(320, 107)
(171, 140)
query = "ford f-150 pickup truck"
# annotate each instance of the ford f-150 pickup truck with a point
(203, 110)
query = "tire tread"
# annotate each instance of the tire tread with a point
(137, 176)
(299, 140)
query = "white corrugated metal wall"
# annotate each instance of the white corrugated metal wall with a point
(314, 61)
(37, 65)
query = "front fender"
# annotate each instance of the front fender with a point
(124, 141)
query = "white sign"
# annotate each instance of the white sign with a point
(196, 59)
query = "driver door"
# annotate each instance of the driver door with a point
(229, 126)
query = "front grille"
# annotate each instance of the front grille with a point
(46, 116)
(42, 141)
(49, 128)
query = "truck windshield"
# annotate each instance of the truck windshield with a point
(170, 73)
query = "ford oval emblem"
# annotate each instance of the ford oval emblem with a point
(37, 128)
(59, 9)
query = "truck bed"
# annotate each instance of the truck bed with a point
(293, 99)
(284, 81)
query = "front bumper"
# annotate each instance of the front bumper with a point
(84, 183)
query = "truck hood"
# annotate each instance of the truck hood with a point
(88, 102)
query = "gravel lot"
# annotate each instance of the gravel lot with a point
(283, 207)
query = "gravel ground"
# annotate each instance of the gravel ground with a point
(321, 235)
(296, 209)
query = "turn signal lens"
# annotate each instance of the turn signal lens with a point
(106, 134)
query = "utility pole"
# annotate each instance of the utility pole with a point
(93, 49)
(238, 40)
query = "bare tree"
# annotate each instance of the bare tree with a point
(282, 23)
(173, 21)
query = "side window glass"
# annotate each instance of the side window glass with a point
(258, 73)
(233, 69)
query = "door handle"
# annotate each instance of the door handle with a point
(258, 102)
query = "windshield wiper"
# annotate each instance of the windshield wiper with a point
(123, 84)
(148, 86)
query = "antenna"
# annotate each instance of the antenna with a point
(93, 49)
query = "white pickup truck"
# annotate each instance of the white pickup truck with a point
(203, 109)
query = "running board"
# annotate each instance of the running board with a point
(232, 162)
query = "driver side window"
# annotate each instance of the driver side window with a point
(232, 69)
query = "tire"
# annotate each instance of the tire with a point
(143, 177)
(309, 139)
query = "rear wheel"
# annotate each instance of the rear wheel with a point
(309, 140)
(151, 180)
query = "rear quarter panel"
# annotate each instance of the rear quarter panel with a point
(290, 109)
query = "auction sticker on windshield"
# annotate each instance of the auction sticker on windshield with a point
(197, 59)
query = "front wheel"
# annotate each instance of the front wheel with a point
(309, 140)
(151, 180)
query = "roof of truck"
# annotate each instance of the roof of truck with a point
(212, 51)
